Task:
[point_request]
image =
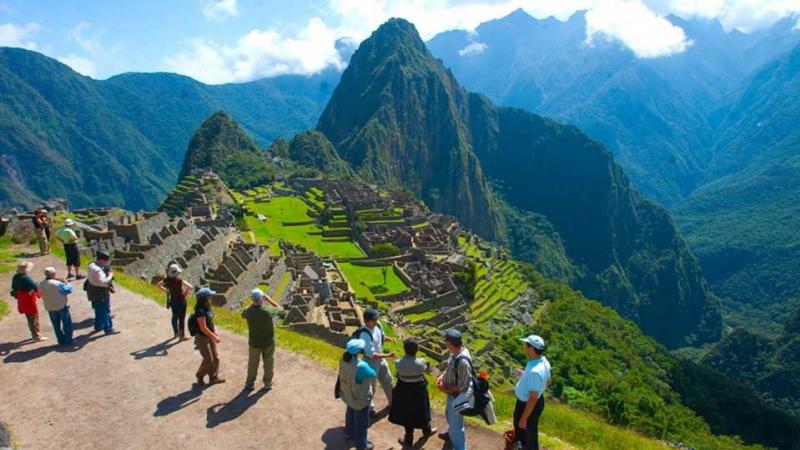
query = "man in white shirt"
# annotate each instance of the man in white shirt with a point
(534, 379)
(55, 293)
(373, 351)
(99, 287)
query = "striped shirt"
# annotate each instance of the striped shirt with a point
(458, 376)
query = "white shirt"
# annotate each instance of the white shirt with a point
(51, 297)
(373, 341)
(534, 378)
(98, 277)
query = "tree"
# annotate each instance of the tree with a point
(385, 250)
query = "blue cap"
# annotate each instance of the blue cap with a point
(205, 292)
(256, 294)
(355, 346)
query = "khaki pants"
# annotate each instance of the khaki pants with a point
(41, 237)
(266, 354)
(208, 348)
(381, 367)
(33, 324)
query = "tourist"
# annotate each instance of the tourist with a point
(206, 337)
(177, 290)
(23, 288)
(67, 236)
(55, 292)
(411, 406)
(261, 340)
(41, 227)
(374, 338)
(534, 379)
(456, 382)
(99, 287)
(355, 376)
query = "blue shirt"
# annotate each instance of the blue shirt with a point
(363, 370)
(534, 378)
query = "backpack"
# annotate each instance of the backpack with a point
(192, 325)
(480, 391)
(363, 329)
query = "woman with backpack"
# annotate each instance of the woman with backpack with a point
(201, 326)
(411, 406)
(24, 289)
(356, 392)
(177, 290)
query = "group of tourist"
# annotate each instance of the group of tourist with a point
(54, 293)
(362, 366)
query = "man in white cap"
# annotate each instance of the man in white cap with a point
(66, 234)
(533, 380)
(261, 340)
(55, 292)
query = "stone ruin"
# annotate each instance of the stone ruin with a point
(320, 301)
(143, 244)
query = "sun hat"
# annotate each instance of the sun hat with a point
(24, 266)
(256, 295)
(355, 346)
(453, 336)
(534, 341)
(174, 270)
(205, 292)
(49, 271)
(69, 222)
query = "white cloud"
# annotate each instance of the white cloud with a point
(261, 53)
(475, 48)
(80, 64)
(219, 9)
(12, 35)
(647, 34)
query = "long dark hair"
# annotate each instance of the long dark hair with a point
(203, 302)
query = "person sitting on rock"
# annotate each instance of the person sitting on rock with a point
(24, 289)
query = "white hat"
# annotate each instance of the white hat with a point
(49, 271)
(69, 222)
(173, 270)
(534, 341)
(256, 295)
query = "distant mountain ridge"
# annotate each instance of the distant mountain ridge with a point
(121, 141)
(415, 127)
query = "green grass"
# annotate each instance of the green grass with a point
(367, 281)
(4, 308)
(293, 209)
(563, 427)
(417, 317)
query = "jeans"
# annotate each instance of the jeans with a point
(102, 315)
(62, 325)
(267, 355)
(356, 423)
(455, 426)
(529, 437)
(178, 308)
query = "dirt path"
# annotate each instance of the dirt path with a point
(134, 390)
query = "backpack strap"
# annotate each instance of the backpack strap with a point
(466, 358)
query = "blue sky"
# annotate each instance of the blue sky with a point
(220, 41)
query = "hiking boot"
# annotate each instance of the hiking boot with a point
(372, 413)
(70, 277)
(216, 381)
(112, 332)
(80, 277)
(200, 381)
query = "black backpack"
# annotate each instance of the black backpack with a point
(480, 390)
(356, 334)
(192, 325)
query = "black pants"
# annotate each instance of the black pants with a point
(409, 435)
(178, 317)
(529, 437)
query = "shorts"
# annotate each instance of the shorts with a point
(73, 255)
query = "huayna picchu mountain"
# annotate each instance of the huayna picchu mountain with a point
(399, 117)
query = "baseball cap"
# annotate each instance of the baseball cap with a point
(355, 346)
(256, 294)
(205, 292)
(174, 270)
(49, 271)
(371, 314)
(102, 254)
(453, 336)
(534, 341)
(69, 222)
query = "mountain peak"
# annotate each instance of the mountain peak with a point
(217, 138)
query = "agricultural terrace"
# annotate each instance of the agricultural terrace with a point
(367, 281)
(291, 219)
(498, 280)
